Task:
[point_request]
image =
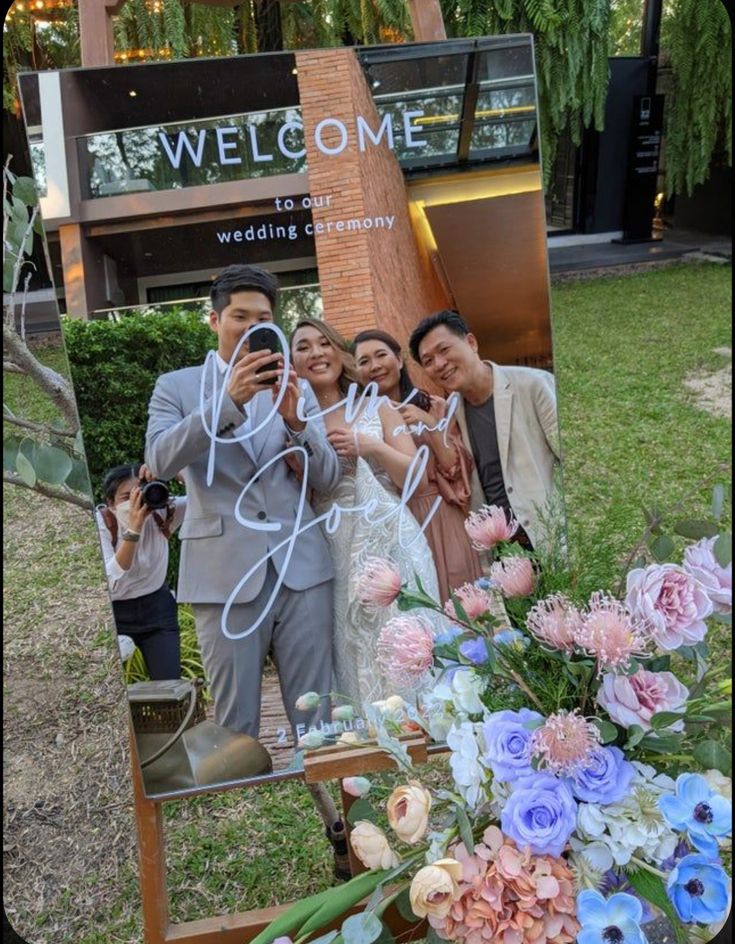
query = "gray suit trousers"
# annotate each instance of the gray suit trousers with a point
(298, 633)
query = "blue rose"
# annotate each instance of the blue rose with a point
(474, 650)
(699, 890)
(513, 638)
(616, 920)
(540, 813)
(696, 809)
(606, 778)
(507, 743)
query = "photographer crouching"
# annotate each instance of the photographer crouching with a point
(135, 525)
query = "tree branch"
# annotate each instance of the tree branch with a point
(38, 427)
(52, 383)
(50, 491)
(12, 368)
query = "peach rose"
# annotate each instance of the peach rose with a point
(371, 847)
(434, 888)
(408, 811)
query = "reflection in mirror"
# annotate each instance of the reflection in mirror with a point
(309, 334)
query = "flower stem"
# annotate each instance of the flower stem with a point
(649, 868)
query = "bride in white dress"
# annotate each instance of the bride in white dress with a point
(376, 457)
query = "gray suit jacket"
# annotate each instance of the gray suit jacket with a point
(216, 550)
(524, 400)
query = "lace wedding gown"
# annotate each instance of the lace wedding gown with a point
(357, 537)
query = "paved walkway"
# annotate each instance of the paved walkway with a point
(674, 245)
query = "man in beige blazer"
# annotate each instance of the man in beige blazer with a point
(507, 416)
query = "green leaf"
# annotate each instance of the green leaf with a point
(635, 735)
(651, 888)
(695, 529)
(465, 830)
(607, 730)
(659, 664)
(8, 271)
(325, 938)
(25, 469)
(10, 451)
(661, 744)
(52, 464)
(711, 755)
(78, 480)
(662, 547)
(362, 809)
(403, 904)
(718, 501)
(363, 928)
(723, 549)
(663, 719)
(24, 189)
(433, 938)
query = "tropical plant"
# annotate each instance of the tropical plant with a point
(44, 456)
(699, 114)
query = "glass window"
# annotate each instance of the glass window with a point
(173, 156)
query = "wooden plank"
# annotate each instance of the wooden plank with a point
(333, 763)
(151, 854)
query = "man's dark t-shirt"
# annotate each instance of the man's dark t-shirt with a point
(484, 443)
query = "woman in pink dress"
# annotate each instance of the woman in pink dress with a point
(378, 359)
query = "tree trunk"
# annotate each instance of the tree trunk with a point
(267, 15)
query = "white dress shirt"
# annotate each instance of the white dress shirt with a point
(147, 573)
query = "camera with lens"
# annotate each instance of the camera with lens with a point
(155, 494)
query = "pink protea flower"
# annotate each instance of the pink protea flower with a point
(635, 699)
(489, 526)
(564, 743)
(379, 582)
(610, 634)
(555, 620)
(474, 601)
(405, 649)
(515, 576)
(510, 896)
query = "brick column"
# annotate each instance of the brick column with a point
(373, 277)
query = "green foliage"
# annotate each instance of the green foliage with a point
(572, 47)
(699, 112)
(115, 365)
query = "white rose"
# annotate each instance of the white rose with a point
(719, 783)
(371, 846)
(408, 811)
(434, 888)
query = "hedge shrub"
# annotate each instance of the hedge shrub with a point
(114, 366)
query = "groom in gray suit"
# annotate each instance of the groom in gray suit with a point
(244, 502)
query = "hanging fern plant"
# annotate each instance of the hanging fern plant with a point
(571, 39)
(699, 110)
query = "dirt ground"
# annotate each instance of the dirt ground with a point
(67, 810)
(713, 390)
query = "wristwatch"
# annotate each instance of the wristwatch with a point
(130, 535)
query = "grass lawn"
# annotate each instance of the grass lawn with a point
(632, 435)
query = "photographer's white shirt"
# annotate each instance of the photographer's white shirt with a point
(147, 573)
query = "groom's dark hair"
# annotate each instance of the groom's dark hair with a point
(242, 278)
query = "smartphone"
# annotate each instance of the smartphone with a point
(263, 339)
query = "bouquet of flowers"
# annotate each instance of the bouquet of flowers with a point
(588, 786)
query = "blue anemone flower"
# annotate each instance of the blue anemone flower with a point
(696, 809)
(699, 889)
(615, 920)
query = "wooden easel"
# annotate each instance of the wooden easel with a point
(326, 764)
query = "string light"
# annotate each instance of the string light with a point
(39, 6)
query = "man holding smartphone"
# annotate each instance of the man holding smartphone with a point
(217, 551)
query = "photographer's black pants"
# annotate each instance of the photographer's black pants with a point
(152, 623)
